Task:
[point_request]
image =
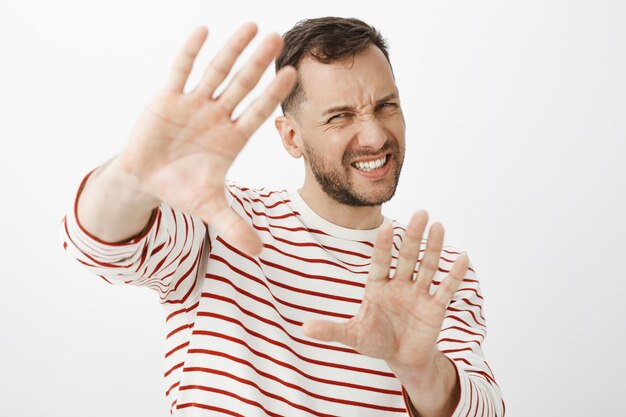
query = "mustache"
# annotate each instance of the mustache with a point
(390, 146)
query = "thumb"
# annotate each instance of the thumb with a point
(328, 331)
(235, 230)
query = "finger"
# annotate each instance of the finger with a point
(220, 66)
(328, 331)
(234, 229)
(452, 282)
(410, 248)
(184, 60)
(381, 255)
(265, 104)
(246, 78)
(429, 264)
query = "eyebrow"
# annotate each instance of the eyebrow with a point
(390, 96)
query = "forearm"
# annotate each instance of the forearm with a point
(111, 206)
(433, 392)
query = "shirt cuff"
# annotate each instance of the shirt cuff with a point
(76, 237)
(138, 237)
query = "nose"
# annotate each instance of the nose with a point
(371, 133)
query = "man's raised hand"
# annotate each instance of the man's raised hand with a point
(399, 319)
(183, 143)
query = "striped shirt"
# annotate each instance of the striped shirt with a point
(234, 346)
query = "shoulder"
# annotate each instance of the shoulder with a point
(255, 200)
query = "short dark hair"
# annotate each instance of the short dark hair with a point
(326, 40)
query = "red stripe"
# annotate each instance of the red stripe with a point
(160, 264)
(155, 282)
(247, 198)
(177, 348)
(462, 329)
(484, 374)
(277, 325)
(260, 213)
(298, 229)
(83, 230)
(331, 248)
(247, 382)
(186, 234)
(462, 360)
(457, 350)
(312, 276)
(252, 296)
(279, 300)
(294, 272)
(233, 395)
(209, 407)
(407, 402)
(293, 368)
(482, 407)
(175, 234)
(184, 277)
(174, 385)
(470, 289)
(144, 255)
(460, 310)
(105, 264)
(105, 279)
(466, 301)
(447, 339)
(182, 310)
(287, 384)
(173, 368)
(287, 347)
(471, 398)
(258, 191)
(271, 206)
(318, 261)
(178, 329)
(453, 317)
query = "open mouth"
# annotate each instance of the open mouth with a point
(373, 165)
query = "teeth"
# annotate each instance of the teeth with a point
(370, 165)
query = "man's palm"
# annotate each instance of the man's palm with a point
(184, 143)
(399, 319)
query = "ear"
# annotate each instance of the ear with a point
(287, 129)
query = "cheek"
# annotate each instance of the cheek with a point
(397, 129)
(396, 124)
(335, 146)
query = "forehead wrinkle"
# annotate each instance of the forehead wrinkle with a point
(341, 108)
(342, 87)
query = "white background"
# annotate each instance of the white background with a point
(515, 127)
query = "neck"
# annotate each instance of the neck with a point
(360, 218)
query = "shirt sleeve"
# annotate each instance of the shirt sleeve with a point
(169, 256)
(463, 332)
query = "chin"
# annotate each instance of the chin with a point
(366, 198)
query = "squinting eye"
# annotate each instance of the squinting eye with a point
(338, 116)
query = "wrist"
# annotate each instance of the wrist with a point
(420, 376)
(434, 388)
(126, 185)
(110, 207)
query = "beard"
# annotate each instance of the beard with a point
(336, 182)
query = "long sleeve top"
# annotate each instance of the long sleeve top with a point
(234, 344)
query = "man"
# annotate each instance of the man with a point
(306, 302)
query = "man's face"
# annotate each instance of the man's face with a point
(352, 128)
